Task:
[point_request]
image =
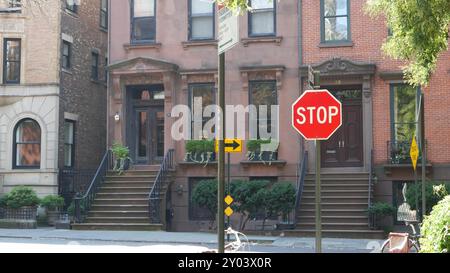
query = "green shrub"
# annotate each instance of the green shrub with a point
(3, 201)
(204, 195)
(436, 229)
(382, 209)
(52, 202)
(200, 146)
(432, 197)
(22, 196)
(120, 151)
(281, 198)
(71, 208)
(254, 145)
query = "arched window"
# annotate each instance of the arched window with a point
(27, 145)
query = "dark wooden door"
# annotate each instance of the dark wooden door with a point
(149, 135)
(345, 147)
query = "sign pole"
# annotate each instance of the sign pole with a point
(228, 191)
(221, 157)
(424, 160)
(318, 197)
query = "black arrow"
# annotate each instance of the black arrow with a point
(233, 145)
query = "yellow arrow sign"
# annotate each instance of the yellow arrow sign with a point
(228, 211)
(414, 152)
(231, 145)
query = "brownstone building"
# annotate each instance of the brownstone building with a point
(164, 53)
(52, 92)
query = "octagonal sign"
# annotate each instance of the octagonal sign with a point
(316, 115)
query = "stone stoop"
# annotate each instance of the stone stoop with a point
(122, 202)
(344, 207)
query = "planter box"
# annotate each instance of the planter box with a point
(200, 157)
(52, 217)
(264, 156)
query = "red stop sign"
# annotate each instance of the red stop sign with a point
(316, 115)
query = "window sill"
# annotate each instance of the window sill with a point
(186, 163)
(142, 46)
(190, 43)
(98, 82)
(336, 44)
(102, 29)
(388, 168)
(67, 71)
(262, 39)
(275, 163)
(71, 13)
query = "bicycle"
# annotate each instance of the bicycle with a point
(403, 242)
(238, 244)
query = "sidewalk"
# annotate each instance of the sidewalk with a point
(195, 238)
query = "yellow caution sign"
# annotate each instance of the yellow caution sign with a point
(229, 200)
(414, 152)
(228, 211)
(231, 145)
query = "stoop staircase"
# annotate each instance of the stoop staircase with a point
(344, 207)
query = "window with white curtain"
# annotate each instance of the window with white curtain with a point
(262, 18)
(143, 21)
(201, 20)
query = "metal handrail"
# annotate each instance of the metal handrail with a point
(369, 198)
(300, 184)
(154, 202)
(83, 203)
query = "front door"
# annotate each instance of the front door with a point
(345, 147)
(145, 130)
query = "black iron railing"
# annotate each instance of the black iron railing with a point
(398, 152)
(300, 184)
(369, 199)
(24, 213)
(73, 181)
(154, 198)
(83, 202)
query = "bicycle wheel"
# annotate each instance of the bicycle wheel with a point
(413, 248)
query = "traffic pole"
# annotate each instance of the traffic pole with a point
(424, 160)
(228, 189)
(318, 206)
(221, 157)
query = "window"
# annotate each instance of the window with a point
(206, 92)
(11, 61)
(10, 5)
(72, 5)
(104, 14)
(27, 145)
(66, 55)
(263, 93)
(69, 147)
(335, 25)
(201, 20)
(197, 213)
(262, 19)
(143, 21)
(94, 72)
(404, 105)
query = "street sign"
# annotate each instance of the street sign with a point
(228, 29)
(414, 152)
(231, 145)
(229, 200)
(228, 211)
(316, 115)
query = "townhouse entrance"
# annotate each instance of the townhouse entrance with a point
(145, 124)
(345, 147)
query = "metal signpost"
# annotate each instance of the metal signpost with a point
(228, 37)
(414, 154)
(316, 115)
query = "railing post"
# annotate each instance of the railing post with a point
(77, 208)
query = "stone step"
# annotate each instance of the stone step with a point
(120, 207)
(334, 192)
(124, 178)
(118, 213)
(354, 234)
(128, 184)
(125, 201)
(335, 199)
(334, 205)
(121, 195)
(134, 173)
(117, 189)
(338, 186)
(118, 220)
(117, 226)
(310, 219)
(334, 226)
(334, 212)
(154, 167)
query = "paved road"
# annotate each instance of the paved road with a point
(51, 240)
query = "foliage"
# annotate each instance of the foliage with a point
(236, 5)
(122, 155)
(200, 146)
(204, 195)
(254, 145)
(420, 31)
(436, 229)
(281, 198)
(71, 208)
(21, 196)
(382, 209)
(52, 202)
(432, 197)
(3, 201)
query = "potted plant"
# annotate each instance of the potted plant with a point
(53, 205)
(262, 150)
(379, 211)
(21, 203)
(122, 156)
(200, 151)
